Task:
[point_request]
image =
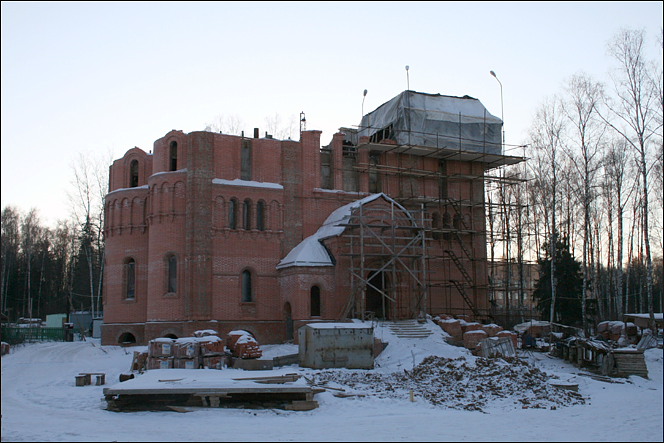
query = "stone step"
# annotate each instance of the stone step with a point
(409, 329)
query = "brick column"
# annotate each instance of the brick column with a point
(198, 224)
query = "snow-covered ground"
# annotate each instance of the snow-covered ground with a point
(453, 400)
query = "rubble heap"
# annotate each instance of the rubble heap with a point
(461, 384)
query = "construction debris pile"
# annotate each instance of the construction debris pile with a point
(204, 350)
(461, 384)
(471, 334)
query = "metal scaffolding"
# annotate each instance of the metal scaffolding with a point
(438, 251)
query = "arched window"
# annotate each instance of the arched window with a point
(247, 292)
(133, 174)
(130, 279)
(232, 214)
(246, 214)
(260, 215)
(173, 156)
(315, 301)
(171, 273)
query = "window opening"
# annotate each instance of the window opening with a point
(133, 174)
(247, 296)
(131, 279)
(315, 301)
(260, 216)
(173, 156)
(232, 214)
(172, 273)
(246, 214)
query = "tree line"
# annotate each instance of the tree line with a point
(591, 192)
(47, 270)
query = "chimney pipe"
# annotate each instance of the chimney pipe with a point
(256, 133)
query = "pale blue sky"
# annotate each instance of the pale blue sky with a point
(105, 77)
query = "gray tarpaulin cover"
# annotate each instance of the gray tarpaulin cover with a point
(434, 120)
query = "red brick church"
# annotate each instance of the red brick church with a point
(223, 232)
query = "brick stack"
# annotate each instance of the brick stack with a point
(160, 353)
(612, 330)
(202, 351)
(243, 345)
(212, 352)
(452, 327)
(472, 339)
(187, 353)
(492, 329)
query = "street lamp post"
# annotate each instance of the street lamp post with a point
(502, 110)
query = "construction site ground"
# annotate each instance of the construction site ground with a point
(421, 389)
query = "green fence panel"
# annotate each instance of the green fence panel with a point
(14, 335)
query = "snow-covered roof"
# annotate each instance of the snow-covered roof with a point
(248, 183)
(658, 316)
(311, 251)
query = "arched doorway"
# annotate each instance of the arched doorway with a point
(288, 319)
(379, 305)
(127, 339)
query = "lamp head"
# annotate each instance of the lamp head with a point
(493, 73)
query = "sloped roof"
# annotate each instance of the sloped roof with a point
(311, 251)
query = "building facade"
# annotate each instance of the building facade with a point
(223, 232)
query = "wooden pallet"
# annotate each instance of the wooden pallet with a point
(630, 362)
(280, 396)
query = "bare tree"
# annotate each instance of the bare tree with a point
(30, 233)
(227, 124)
(10, 246)
(587, 132)
(618, 193)
(546, 140)
(633, 116)
(90, 185)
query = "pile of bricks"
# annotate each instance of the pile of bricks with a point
(243, 345)
(469, 334)
(613, 330)
(200, 351)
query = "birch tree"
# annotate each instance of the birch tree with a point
(587, 132)
(546, 140)
(633, 116)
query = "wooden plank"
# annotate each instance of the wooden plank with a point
(177, 409)
(301, 405)
(208, 391)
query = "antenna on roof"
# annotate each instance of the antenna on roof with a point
(407, 78)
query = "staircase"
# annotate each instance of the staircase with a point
(409, 329)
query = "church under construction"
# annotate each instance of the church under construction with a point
(224, 232)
